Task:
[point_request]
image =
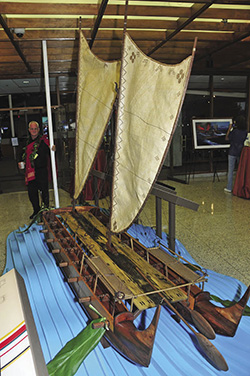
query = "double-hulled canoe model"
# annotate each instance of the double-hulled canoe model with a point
(121, 280)
(109, 277)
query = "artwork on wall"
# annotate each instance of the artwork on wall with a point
(210, 133)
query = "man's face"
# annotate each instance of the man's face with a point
(34, 130)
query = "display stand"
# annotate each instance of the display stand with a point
(211, 161)
(213, 166)
(20, 348)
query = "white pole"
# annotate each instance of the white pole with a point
(50, 126)
(12, 123)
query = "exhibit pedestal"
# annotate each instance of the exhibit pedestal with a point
(20, 350)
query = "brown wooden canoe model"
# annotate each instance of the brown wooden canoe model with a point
(197, 309)
(122, 280)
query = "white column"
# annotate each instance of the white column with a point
(12, 123)
(50, 125)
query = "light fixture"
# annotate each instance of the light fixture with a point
(26, 82)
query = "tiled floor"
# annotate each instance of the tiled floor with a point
(216, 236)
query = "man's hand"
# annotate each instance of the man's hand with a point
(21, 165)
(228, 131)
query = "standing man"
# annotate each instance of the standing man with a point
(35, 157)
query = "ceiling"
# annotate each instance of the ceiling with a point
(164, 30)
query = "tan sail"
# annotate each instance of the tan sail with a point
(95, 99)
(150, 99)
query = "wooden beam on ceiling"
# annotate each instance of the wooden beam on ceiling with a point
(60, 9)
(232, 58)
(47, 8)
(217, 24)
(224, 13)
(196, 12)
(48, 23)
(10, 36)
(225, 2)
(237, 38)
(137, 35)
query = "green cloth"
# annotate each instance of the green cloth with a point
(71, 356)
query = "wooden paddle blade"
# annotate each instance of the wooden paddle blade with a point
(202, 325)
(136, 345)
(224, 321)
(211, 352)
(196, 319)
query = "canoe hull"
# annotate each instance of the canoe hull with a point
(224, 321)
(126, 337)
(95, 297)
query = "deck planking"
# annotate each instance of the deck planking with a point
(138, 276)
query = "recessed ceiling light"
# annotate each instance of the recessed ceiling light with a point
(26, 82)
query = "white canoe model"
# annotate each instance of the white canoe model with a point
(20, 350)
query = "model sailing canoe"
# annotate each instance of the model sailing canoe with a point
(104, 274)
(116, 280)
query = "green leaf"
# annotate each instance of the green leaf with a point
(193, 267)
(229, 303)
(71, 356)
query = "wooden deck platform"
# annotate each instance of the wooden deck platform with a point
(138, 280)
(174, 263)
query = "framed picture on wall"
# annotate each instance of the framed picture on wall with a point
(210, 133)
